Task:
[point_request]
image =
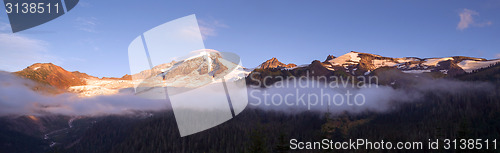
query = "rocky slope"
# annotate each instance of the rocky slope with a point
(274, 63)
(50, 74)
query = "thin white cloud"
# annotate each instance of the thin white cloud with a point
(208, 28)
(84, 4)
(86, 24)
(18, 52)
(207, 32)
(467, 20)
(497, 56)
(4, 26)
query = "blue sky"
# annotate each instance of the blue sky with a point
(94, 37)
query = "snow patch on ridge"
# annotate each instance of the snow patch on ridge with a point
(349, 58)
(435, 61)
(96, 87)
(471, 65)
(383, 63)
(406, 59)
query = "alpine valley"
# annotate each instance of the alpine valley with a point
(467, 108)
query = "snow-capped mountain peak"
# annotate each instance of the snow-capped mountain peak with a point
(349, 58)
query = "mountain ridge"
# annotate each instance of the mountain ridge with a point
(362, 64)
(350, 64)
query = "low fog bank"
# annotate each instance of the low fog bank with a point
(352, 99)
(16, 98)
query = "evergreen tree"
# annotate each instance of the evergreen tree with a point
(258, 142)
(282, 146)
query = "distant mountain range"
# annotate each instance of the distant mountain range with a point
(364, 64)
(177, 73)
(357, 63)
